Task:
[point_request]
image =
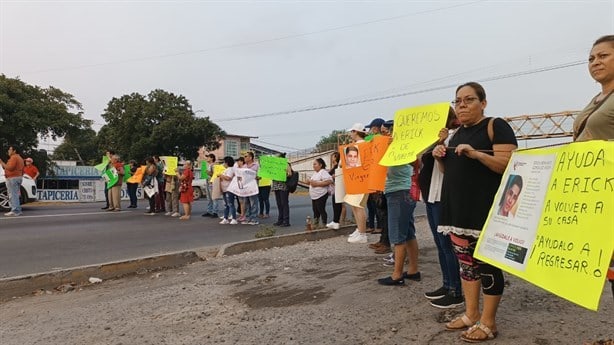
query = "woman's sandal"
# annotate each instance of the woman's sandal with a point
(466, 323)
(487, 333)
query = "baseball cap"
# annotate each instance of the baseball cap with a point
(377, 122)
(358, 127)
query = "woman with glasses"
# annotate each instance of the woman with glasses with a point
(473, 163)
(596, 120)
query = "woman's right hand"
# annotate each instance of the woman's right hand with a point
(439, 151)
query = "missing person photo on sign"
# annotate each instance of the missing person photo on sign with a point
(508, 205)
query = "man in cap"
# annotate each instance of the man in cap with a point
(30, 169)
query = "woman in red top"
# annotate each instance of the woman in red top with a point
(186, 191)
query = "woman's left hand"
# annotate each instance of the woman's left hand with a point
(467, 150)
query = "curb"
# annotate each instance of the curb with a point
(24, 285)
(281, 240)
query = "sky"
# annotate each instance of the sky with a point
(252, 67)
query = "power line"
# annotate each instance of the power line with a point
(402, 94)
(253, 43)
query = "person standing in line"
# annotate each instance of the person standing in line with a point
(251, 202)
(151, 182)
(374, 222)
(473, 166)
(13, 172)
(318, 191)
(401, 228)
(213, 208)
(230, 213)
(596, 120)
(335, 157)
(160, 205)
(264, 193)
(30, 169)
(450, 294)
(241, 209)
(282, 195)
(171, 188)
(186, 191)
(116, 189)
(381, 207)
(131, 187)
(108, 153)
(357, 201)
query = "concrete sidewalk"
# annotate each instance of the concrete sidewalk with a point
(317, 292)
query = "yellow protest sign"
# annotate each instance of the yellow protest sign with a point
(217, 171)
(170, 165)
(415, 129)
(551, 222)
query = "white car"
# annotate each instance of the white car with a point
(27, 192)
(200, 188)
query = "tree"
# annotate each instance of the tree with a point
(160, 123)
(330, 141)
(80, 146)
(28, 113)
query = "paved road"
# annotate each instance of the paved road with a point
(50, 237)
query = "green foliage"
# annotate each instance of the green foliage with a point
(160, 123)
(330, 141)
(80, 146)
(266, 231)
(29, 112)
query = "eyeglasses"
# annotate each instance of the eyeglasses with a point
(467, 100)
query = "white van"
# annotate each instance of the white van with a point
(27, 193)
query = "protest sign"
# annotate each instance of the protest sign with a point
(551, 221)
(111, 177)
(273, 168)
(127, 173)
(264, 182)
(415, 129)
(203, 170)
(217, 171)
(170, 165)
(138, 175)
(102, 166)
(339, 186)
(244, 183)
(361, 172)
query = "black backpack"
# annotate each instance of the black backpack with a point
(292, 182)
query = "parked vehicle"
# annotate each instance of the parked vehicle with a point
(27, 193)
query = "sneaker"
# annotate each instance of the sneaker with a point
(389, 262)
(12, 214)
(333, 225)
(448, 301)
(360, 238)
(241, 219)
(225, 221)
(414, 276)
(389, 257)
(176, 214)
(439, 293)
(355, 233)
(167, 214)
(390, 281)
(233, 222)
(253, 222)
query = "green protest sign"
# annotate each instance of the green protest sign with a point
(102, 166)
(111, 177)
(127, 173)
(273, 168)
(203, 170)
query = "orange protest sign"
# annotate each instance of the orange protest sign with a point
(138, 175)
(361, 172)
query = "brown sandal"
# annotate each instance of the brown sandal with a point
(466, 323)
(488, 334)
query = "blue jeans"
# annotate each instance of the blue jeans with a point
(212, 205)
(229, 205)
(263, 198)
(13, 187)
(447, 259)
(251, 205)
(400, 216)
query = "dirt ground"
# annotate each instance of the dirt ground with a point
(312, 293)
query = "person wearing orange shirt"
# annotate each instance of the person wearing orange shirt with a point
(13, 171)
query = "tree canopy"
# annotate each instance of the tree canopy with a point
(159, 123)
(28, 113)
(330, 141)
